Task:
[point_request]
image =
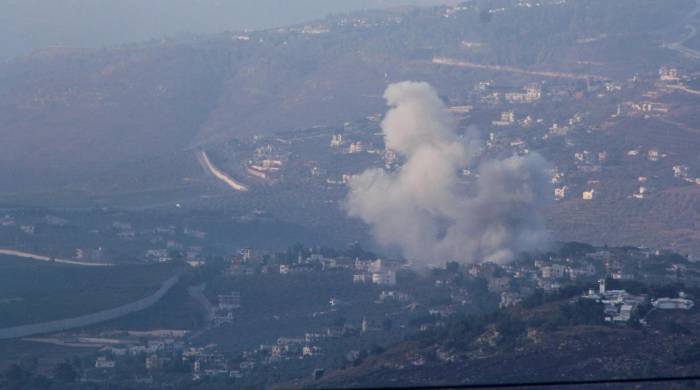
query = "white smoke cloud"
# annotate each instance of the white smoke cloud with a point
(425, 209)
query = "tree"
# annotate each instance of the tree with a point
(29, 363)
(452, 267)
(387, 324)
(64, 372)
(339, 320)
(40, 382)
(14, 373)
(376, 349)
(484, 16)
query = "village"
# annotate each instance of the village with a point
(251, 304)
(512, 119)
(386, 301)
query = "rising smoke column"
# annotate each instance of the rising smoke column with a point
(423, 208)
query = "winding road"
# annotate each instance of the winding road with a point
(89, 319)
(679, 45)
(197, 293)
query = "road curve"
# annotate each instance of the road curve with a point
(219, 174)
(679, 45)
(89, 319)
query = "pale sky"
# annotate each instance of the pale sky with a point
(27, 25)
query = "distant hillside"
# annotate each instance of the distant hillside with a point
(30, 25)
(71, 115)
(73, 112)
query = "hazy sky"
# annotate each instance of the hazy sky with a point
(26, 25)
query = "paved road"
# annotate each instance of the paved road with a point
(89, 319)
(679, 45)
(33, 256)
(512, 69)
(219, 174)
(197, 293)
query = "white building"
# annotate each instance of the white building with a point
(103, 362)
(361, 278)
(643, 191)
(625, 313)
(507, 119)
(384, 278)
(356, 147)
(673, 303)
(668, 74)
(553, 271)
(560, 193)
(336, 140)
(680, 171)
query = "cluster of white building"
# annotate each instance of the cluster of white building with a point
(619, 305)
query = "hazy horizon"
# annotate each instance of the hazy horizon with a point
(29, 25)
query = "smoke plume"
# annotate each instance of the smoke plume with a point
(426, 210)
